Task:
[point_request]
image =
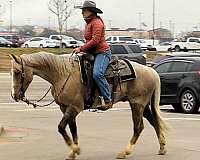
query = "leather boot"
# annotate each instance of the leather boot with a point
(108, 105)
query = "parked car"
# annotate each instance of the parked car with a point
(180, 83)
(5, 43)
(66, 41)
(173, 54)
(15, 39)
(144, 45)
(41, 42)
(164, 46)
(119, 39)
(132, 52)
(191, 43)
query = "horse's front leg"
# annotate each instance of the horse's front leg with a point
(69, 118)
(75, 147)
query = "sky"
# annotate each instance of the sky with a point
(176, 15)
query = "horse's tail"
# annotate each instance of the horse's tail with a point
(155, 107)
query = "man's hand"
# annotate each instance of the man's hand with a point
(77, 50)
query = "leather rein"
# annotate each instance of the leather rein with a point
(22, 91)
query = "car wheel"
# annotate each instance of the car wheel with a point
(177, 48)
(188, 101)
(26, 45)
(41, 46)
(185, 49)
(64, 45)
(169, 49)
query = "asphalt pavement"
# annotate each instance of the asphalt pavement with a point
(31, 134)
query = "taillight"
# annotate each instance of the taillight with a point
(198, 72)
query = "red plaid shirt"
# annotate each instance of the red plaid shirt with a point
(95, 36)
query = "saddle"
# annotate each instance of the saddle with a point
(118, 71)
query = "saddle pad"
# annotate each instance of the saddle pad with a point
(122, 68)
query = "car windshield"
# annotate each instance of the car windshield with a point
(159, 58)
(135, 48)
(3, 39)
(142, 41)
(67, 38)
(125, 39)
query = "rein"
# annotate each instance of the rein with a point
(24, 99)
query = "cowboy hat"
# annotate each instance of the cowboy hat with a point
(91, 6)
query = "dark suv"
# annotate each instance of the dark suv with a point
(180, 83)
(14, 39)
(132, 52)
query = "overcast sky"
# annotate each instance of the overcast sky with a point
(117, 13)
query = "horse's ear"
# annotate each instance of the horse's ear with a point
(15, 58)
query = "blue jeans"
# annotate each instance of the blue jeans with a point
(100, 65)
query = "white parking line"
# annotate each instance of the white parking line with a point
(37, 109)
(187, 119)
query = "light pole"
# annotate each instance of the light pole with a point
(140, 24)
(153, 31)
(10, 15)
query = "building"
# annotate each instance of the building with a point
(160, 34)
(132, 32)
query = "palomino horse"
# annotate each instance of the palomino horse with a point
(68, 92)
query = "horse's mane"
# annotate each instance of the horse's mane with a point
(47, 61)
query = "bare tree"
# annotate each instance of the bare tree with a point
(62, 9)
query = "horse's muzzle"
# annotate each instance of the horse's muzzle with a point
(17, 97)
(14, 97)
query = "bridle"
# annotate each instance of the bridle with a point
(22, 90)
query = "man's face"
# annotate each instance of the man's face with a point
(86, 13)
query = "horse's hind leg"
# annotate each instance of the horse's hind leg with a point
(161, 138)
(148, 115)
(69, 118)
(137, 115)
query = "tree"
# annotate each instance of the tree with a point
(26, 31)
(47, 32)
(63, 10)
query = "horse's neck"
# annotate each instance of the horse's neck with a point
(51, 77)
(53, 74)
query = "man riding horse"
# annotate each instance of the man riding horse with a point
(96, 45)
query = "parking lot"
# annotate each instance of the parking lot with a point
(31, 134)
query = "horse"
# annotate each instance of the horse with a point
(63, 73)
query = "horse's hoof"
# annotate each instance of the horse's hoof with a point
(71, 156)
(121, 156)
(162, 152)
(128, 152)
(76, 149)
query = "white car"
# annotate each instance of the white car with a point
(40, 42)
(192, 43)
(119, 39)
(66, 41)
(144, 44)
(164, 46)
